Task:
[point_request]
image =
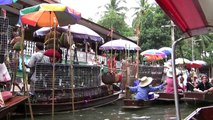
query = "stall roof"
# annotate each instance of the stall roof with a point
(193, 17)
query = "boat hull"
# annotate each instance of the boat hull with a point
(197, 99)
(136, 104)
(11, 105)
(165, 98)
(203, 113)
(46, 108)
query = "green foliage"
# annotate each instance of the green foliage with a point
(114, 17)
(153, 36)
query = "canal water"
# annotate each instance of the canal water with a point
(115, 112)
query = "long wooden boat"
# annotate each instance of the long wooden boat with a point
(10, 105)
(88, 91)
(165, 98)
(64, 104)
(197, 99)
(136, 104)
(203, 113)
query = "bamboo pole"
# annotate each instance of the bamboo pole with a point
(96, 50)
(71, 69)
(53, 76)
(137, 62)
(24, 73)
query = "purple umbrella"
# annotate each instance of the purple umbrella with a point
(78, 31)
(6, 2)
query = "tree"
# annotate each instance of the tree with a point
(152, 35)
(140, 11)
(114, 16)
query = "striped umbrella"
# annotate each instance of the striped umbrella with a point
(153, 52)
(46, 15)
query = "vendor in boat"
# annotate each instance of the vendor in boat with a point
(203, 85)
(142, 90)
(36, 57)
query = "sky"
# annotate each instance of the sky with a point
(92, 8)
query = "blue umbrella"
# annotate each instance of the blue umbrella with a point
(166, 50)
(6, 2)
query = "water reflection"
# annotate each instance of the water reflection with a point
(114, 112)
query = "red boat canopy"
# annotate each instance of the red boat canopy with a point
(193, 17)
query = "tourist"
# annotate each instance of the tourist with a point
(35, 58)
(189, 84)
(169, 81)
(203, 85)
(181, 84)
(143, 89)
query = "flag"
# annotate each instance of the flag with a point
(111, 32)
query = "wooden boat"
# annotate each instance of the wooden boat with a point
(64, 104)
(203, 113)
(198, 99)
(136, 104)
(10, 105)
(165, 98)
(88, 91)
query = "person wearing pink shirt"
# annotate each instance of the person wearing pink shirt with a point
(169, 81)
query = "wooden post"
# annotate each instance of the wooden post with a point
(71, 69)
(127, 82)
(23, 70)
(53, 76)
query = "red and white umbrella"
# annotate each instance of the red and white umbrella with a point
(197, 64)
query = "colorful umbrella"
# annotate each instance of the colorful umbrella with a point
(166, 50)
(152, 58)
(119, 44)
(153, 52)
(46, 15)
(78, 31)
(6, 2)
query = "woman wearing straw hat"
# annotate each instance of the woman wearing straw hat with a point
(142, 90)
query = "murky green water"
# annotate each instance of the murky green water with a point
(114, 112)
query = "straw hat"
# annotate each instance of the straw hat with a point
(170, 74)
(145, 81)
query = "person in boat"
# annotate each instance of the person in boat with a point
(143, 89)
(36, 57)
(50, 54)
(203, 85)
(181, 84)
(112, 69)
(189, 84)
(169, 81)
